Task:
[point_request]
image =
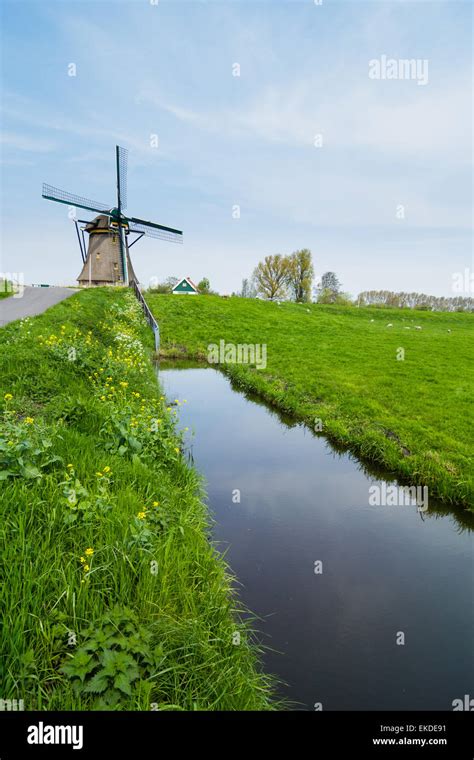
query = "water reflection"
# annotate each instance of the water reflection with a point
(383, 570)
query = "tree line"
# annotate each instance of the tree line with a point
(419, 301)
(291, 277)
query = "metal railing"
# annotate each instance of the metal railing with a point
(148, 315)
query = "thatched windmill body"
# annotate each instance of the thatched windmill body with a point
(107, 258)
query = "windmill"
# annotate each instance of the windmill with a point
(107, 260)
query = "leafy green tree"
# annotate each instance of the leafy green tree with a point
(328, 296)
(329, 288)
(163, 287)
(300, 275)
(204, 286)
(271, 275)
(330, 281)
(248, 288)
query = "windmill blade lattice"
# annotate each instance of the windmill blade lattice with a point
(154, 225)
(122, 167)
(70, 199)
(171, 237)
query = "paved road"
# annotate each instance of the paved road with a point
(32, 302)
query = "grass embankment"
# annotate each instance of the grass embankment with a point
(5, 291)
(339, 364)
(112, 595)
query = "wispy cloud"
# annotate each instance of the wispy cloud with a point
(33, 115)
(355, 117)
(26, 143)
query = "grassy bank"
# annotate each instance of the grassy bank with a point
(112, 596)
(339, 365)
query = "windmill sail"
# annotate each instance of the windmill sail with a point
(121, 164)
(122, 168)
(155, 230)
(171, 237)
(62, 196)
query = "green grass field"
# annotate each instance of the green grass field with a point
(112, 595)
(339, 365)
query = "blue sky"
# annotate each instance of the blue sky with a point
(166, 69)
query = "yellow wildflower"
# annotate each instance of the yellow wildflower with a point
(156, 503)
(89, 552)
(86, 568)
(107, 469)
(82, 560)
(70, 466)
(123, 384)
(99, 474)
(141, 515)
(29, 420)
(177, 450)
(8, 396)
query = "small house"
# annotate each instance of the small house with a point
(185, 287)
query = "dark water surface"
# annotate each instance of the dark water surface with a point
(385, 570)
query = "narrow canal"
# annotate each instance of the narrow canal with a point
(363, 607)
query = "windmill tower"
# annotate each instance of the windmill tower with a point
(107, 259)
(102, 263)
